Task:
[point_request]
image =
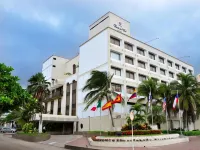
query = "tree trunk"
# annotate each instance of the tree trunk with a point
(186, 121)
(40, 123)
(110, 111)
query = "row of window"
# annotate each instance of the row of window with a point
(141, 64)
(129, 89)
(117, 71)
(142, 52)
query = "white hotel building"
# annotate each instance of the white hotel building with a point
(110, 48)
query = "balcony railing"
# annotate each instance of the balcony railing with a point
(55, 95)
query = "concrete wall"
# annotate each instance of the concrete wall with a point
(70, 63)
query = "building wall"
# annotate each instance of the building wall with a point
(93, 53)
(70, 63)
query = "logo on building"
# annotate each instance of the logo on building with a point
(119, 27)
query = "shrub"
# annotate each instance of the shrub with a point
(135, 132)
(28, 128)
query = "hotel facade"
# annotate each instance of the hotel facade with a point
(109, 48)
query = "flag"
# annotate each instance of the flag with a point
(134, 95)
(99, 104)
(175, 101)
(164, 104)
(93, 108)
(149, 99)
(107, 105)
(118, 99)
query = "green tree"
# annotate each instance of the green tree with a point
(158, 115)
(38, 87)
(167, 90)
(139, 116)
(147, 86)
(12, 95)
(188, 90)
(98, 88)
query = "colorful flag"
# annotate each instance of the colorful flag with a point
(175, 101)
(99, 104)
(93, 108)
(149, 99)
(107, 105)
(118, 99)
(164, 104)
(134, 95)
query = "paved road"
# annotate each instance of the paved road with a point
(8, 143)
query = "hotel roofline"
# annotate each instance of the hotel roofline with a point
(136, 40)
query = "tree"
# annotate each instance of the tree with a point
(145, 87)
(99, 88)
(139, 117)
(12, 95)
(158, 115)
(167, 91)
(38, 87)
(188, 90)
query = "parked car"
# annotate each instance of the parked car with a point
(8, 130)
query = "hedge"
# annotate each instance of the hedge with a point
(135, 132)
(186, 133)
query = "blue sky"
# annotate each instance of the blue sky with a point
(32, 30)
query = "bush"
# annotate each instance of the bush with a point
(144, 126)
(28, 128)
(135, 132)
(186, 133)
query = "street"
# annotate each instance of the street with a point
(8, 143)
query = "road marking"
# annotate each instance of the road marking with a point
(52, 143)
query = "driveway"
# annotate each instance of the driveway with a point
(60, 140)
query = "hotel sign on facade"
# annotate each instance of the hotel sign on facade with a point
(119, 27)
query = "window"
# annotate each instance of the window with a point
(54, 65)
(54, 58)
(115, 41)
(155, 79)
(177, 66)
(171, 74)
(152, 56)
(128, 46)
(74, 68)
(130, 75)
(59, 107)
(116, 71)
(140, 51)
(52, 105)
(116, 87)
(129, 60)
(169, 63)
(162, 71)
(141, 64)
(115, 56)
(163, 82)
(142, 77)
(130, 89)
(190, 71)
(184, 69)
(153, 68)
(161, 60)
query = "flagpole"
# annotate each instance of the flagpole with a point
(100, 121)
(151, 107)
(166, 113)
(179, 113)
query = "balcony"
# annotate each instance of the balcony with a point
(55, 95)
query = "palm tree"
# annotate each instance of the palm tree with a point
(158, 116)
(38, 87)
(139, 117)
(147, 86)
(188, 90)
(99, 88)
(166, 90)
